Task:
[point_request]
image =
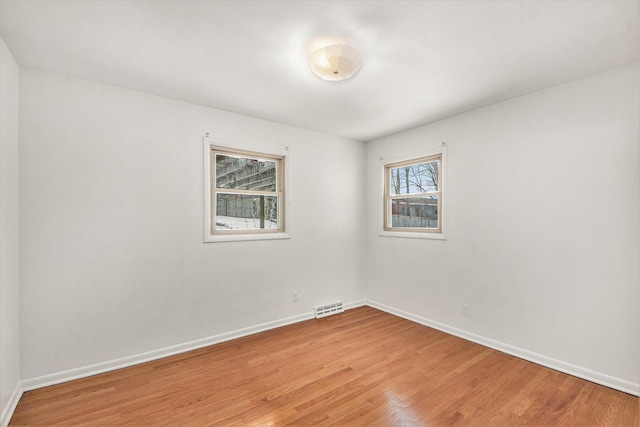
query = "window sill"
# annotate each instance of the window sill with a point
(218, 238)
(412, 235)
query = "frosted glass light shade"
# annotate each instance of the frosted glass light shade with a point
(336, 62)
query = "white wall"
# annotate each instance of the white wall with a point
(112, 258)
(542, 230)
(543, 227)
(9, 262)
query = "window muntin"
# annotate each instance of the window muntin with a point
(413, 195)
(246, 192)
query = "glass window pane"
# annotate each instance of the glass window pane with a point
(415, 212)
(420, 178)
(245, 173)
(246, 212)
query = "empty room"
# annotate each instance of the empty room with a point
(381, 213)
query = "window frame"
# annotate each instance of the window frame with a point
(280, 156)
(385, 228)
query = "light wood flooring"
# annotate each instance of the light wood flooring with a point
(363, 367)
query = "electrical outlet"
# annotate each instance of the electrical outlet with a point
(295, 296)
(466, 310)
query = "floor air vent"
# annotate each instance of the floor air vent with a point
(328, 310)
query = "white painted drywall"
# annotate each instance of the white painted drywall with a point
(9, 261)
(113, 262)
(543, 228)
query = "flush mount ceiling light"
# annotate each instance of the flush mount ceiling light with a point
(335, 62)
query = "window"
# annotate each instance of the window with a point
(245, 194)
(413, 195)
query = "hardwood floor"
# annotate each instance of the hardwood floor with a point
(363, 367)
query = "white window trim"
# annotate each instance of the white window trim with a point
(442, 150)
(283, 152)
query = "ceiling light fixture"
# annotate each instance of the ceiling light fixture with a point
(335, 62)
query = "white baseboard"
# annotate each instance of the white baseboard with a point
(73, 374)
(558, 365)
(355, 304)
(99, 368)
(10, 407)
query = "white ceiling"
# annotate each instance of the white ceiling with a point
(423, 60)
